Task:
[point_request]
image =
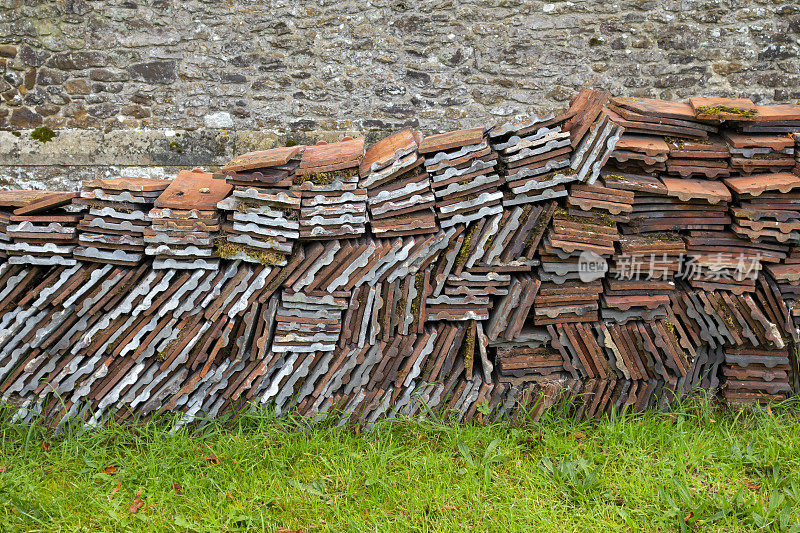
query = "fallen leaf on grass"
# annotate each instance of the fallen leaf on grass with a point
(177, 488)
(753, 486)
(115, 490)
(109, 470)
(711, 420)
(212, 459)
(136, 504)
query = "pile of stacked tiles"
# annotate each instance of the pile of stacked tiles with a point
(760, 153)
(11, 200)
(767, 208)
(261, 217)
(461, 168)
(642, 276)
(332, 204)
(308, 315)
(613, 257)
(703, 159)
(709, 172)
(755, 374)
(540, 155)
(117, 217)
(186, 222)
(399, 192)
(41, 230)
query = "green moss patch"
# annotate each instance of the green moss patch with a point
(716, 110)
(325, 178)
(228, 250)
(43, 135)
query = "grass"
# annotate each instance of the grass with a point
(699, 468)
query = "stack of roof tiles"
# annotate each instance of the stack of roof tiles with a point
(615, 256)
(331, 203)
(398, 187)
(185, 222)
(756, 374)
(41, 229)
(261, 216)
(117, 217)
(461, 165)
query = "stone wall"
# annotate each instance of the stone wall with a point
(150, 86)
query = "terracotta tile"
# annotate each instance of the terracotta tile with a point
(776, 142)
(657, 108)
(46, 203)
(194, 189)
(738, 109)
(778, 112)
(649, 145)
(335, 156)
(263, 159)
(127, 184)
(388, 150)
(22, 198)
(450, 140)
(712, 191)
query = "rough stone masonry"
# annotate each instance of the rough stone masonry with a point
(158, 85)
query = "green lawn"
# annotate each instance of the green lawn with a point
(700, 468)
